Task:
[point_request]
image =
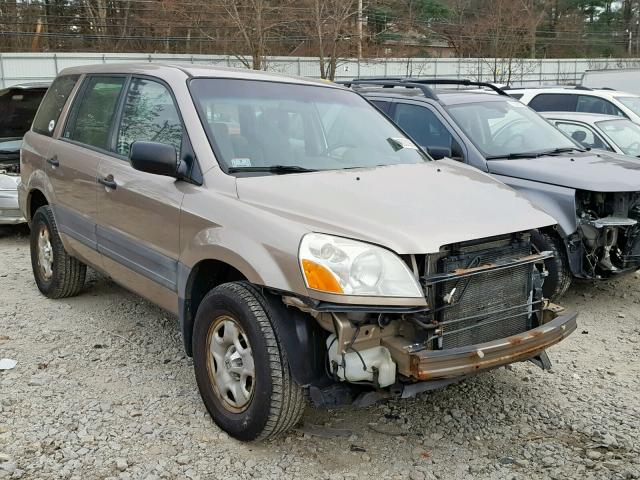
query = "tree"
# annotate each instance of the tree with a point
(328, 30)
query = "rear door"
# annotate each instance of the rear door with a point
(73, 160)
(37, 142)
(138, 212)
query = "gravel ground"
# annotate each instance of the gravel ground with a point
(102, 389)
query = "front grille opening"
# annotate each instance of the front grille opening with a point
(489, 305)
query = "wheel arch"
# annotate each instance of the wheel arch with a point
(35, 199)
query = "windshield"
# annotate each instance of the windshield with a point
(632, 103)
(18, 108)
(257, 125)
(624, 133)
(507, 128)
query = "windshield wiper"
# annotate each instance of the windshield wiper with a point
(563, 150)
(512, 156)
(555, 151)
(277, 169)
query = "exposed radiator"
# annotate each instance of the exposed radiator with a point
(487, 306)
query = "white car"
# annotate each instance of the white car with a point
(580, 99)
(603, 132)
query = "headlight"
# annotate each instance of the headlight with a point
(340, 265)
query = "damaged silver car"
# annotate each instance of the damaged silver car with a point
(594, 196)
(18, 106)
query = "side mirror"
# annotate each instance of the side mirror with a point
(438, 153)
(153, 157)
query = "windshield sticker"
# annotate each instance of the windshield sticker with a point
(240, 162)
(52, 125)
(400, 143)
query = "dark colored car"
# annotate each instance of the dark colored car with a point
(594, 196)
(18, 106)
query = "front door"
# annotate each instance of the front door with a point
(139, 213)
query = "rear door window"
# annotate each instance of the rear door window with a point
(149, 115)
(52, 104)
(554, 102)
(589, 104)
(92, 116)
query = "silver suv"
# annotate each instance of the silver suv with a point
(303, 241)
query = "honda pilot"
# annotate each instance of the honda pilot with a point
(309, 249)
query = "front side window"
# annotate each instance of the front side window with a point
(424, 127)
(589, 104)
(508, 128)
(150, 115)
(554, 102)
(93, 114)
(583, 135)
(632, 103)
(52, 104)
(624, 133)
(254, 124)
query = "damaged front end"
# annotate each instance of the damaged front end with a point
(485, 310)
(608, 238)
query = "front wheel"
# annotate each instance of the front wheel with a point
(241, 369)
(559, 279)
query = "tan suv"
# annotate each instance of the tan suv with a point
(305, 244)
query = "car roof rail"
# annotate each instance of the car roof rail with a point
(385, 83)
(458, 81)
(582, 87)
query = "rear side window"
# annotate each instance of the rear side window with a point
(18, 107)
(93, 114)
(589, 104)
(53, 103)
(554, 102)
(149, 115)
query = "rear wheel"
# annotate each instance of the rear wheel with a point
(241, 369)
(559, 279)
(57, 274)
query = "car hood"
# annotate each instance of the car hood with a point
(409, 208)
(597, 172)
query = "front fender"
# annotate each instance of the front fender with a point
(559, 202)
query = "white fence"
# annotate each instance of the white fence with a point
(29, 67)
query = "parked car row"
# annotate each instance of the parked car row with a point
(309, 245)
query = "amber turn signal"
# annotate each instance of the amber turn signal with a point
(320, 278)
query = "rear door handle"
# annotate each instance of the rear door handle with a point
(108, 182)
(53, 161)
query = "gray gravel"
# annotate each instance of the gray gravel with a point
(102, 389)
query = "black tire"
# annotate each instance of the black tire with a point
(277, 402)
(559, 279)
(67, 274)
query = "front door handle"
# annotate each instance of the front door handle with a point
(108, 182)
(53, 161)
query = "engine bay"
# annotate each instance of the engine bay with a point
(609, 230)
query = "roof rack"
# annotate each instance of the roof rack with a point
(420, 83)
(384, 83)
(457, 81)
